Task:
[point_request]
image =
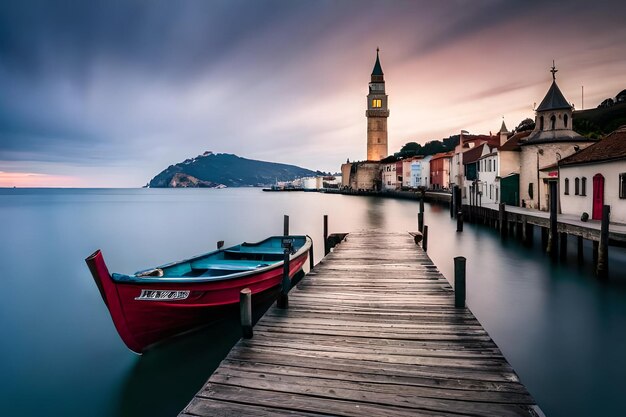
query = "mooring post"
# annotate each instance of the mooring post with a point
(425, 239)
(553, 243)
(563, 246)
(459, 199)
(602, 268)
(311, 258)
(245, 312)
(502, 219)
(459, 221)
(422, 203)
(420, 222)
(459, 282)
(326, 247)
(283, 297)
(452, 197)
(220, 244)
(285, 225)
(579, 247)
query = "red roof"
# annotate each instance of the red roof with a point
(513, 143)
(473, 155)
(610, 148)
(442, 155)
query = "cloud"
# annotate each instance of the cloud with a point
(141, 85)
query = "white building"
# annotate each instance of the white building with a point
(551, 140)
(389, 179)
(425, 171)
(594, 177)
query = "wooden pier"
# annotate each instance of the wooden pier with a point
(371, 331)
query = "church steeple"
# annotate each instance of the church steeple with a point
(378, 70)
(377, 113)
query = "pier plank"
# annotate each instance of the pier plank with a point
(372, 330)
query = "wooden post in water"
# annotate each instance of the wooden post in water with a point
(458, 200)
(422, 203)
(245, 312)
(326, 247)
(563, 246)
(579, 247)
(283, 297)
(220, 244)
(602, 268)
(459, 221)
(425, 239)
(311, 258)
(420, 222)
(285, 225)
(502, 219)
(553, 243)
(452, 198)
(459, 282)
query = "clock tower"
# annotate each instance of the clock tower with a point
(377, 113)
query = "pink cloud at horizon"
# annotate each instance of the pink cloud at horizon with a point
(34, 180)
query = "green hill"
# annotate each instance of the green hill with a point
(599, 121)
(215, 170)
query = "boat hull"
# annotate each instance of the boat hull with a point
(142, 321)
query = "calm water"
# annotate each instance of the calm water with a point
(562, 330)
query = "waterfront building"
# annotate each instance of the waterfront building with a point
(552, 139)
(596, 176)
(416, 173)
(388, 175)
(425, 171)
(508, 169)
(458, 168)
(407, 171)
(471, 168)
(377, 113)
(440, 170)
(487, 174)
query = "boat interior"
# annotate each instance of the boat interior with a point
(232, 260)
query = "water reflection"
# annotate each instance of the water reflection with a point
(375, 213)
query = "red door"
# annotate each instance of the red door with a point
(598, 196)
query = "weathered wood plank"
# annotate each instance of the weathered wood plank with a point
(372, 330)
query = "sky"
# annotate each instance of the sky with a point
(109, 93)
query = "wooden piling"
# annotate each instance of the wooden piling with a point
(563, 246)
(420, 222)
(311, 258)
(579, 247)
(422, 203)
(283, 297)
(459, 282)
(602, 269)
(245, 312)
(459, 221)
(425, 239)
(326, 247)
(553, 243)
(286, 225)
(502, 219)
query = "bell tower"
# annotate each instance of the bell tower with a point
(377, 113)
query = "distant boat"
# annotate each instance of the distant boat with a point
(155, 304)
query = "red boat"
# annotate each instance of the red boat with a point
(155, 304)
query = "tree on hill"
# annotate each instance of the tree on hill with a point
(524, 125)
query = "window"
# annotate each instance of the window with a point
(494, 166)
(565, 120)
(622, 185)
(566, 186)
(489, 167)
(553, 122)
(530, 190)
(583, 186)
(541, 122)
(577, 186)
(377, 102)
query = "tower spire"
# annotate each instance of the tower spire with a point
(378, 70)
